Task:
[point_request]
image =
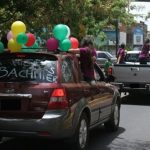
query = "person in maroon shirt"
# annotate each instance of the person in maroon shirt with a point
(121, 54)
(87, 58)
(143, 56)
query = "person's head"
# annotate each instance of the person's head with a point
(147, 41)
(122, 45)
(87, 42)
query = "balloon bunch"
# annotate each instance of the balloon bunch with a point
(61, 39)
(18, 39)
(1, 47)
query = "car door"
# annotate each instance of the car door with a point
(87, 99)
(102, 95)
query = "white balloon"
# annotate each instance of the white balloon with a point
(68, 34)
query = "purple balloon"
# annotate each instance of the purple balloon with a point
(9, 35)
(52, 44)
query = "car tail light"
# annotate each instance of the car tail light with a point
(110, 71)
(58, 99)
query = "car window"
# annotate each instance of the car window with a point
(24, 67)
(67, 70)
(98, 73)
(132, 58)
(102, 55)
(109, 55)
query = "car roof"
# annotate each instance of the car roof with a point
(102, 52)
(133, 52)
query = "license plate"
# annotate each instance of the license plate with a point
(10, 104)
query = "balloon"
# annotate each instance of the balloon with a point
(1, 47)
(18, 27)
(30, 49)
(68, 33)
(52, 44)
(74, 42)
(13, 46)
(22, 38)
(9, 35)
(65, 45)
(60, 32)
(31, 39)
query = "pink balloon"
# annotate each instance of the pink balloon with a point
(9, 35)
(52, 44)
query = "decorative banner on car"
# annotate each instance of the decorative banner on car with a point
(28, 70)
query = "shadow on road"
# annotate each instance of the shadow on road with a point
(99, 138)
(137, 99)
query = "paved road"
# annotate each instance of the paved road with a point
(133, 134)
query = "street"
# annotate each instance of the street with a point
(133, 134)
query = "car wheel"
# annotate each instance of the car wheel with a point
(80, 140)
(113, 123)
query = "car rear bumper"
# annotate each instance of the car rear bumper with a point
(51, 125)
(132, 87)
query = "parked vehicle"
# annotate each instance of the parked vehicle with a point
(132, 77)
(132, 57)
(43, 95)
(137, 48)
(103, 56)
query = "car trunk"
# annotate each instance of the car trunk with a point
(24, 100)
(26, 83)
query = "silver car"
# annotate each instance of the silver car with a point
(103, 56)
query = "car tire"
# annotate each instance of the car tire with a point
(113, 123)
(80, 139)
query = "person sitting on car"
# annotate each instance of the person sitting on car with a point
(143, 56)
(87, 58)
(121, 54)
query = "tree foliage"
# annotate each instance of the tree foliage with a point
(82, 16)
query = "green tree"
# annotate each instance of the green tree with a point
(82, 16)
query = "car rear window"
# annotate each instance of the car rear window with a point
(132, 57)
(21, 67)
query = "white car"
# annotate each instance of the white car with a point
(132, 57)
(103, 56)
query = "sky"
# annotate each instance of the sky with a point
(142, 8)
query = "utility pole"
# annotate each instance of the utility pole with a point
(117, 36)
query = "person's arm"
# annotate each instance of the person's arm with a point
(94, 59)
(74, 51)
(118, 60)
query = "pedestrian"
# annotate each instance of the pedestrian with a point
(121, 54)
(144, 54)
(87, 58)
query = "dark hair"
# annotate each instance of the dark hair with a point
(86, 42)
(147, 41)
(122, 45)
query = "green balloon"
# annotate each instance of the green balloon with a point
(60, 32)
(65, 45)
(1, 47)
(31, 49)
(22, 38)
